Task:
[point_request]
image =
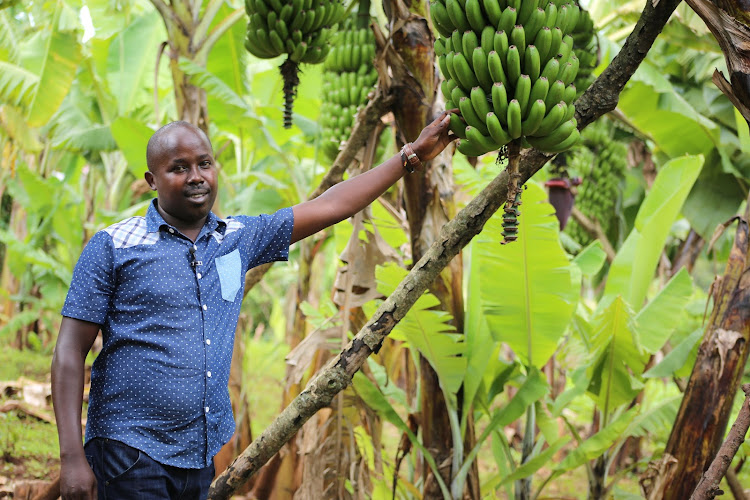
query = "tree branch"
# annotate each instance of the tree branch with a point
(708, 487)
(600, 98)
(204, 46)
(594, 229)
(205, 21)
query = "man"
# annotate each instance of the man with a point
(166, 290)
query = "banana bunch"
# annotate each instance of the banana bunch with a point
(509, 67)
(601, 162)
(302, 29)
(350, 75)
(586, 47)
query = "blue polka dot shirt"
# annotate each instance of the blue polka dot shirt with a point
(168, 309)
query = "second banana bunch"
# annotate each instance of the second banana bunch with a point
(509, 68)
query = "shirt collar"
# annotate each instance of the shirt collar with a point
(154, 221)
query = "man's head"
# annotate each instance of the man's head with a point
(182, 170)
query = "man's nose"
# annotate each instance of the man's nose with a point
(194, 175)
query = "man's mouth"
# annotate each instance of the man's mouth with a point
(197, 195)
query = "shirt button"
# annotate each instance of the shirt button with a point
(209, 374)
(208, 341)
(171, 230)
(205, 307)
(206, 409)
(200, 275)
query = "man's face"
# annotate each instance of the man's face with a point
(184, 175)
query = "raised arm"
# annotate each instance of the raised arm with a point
(73, 343)
(349, 197)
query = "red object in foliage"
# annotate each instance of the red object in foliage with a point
(561, 197)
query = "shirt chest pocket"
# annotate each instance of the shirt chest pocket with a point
(229, 267)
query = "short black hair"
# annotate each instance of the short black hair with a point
(155, 143)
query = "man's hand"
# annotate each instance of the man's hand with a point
(434, 137)
(77, 481)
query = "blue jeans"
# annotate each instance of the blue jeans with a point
(125, 473)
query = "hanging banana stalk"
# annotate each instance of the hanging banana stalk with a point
(509, 68)
(350, 75)
(302, 29)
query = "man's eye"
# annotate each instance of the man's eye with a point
(179, 168)
(206, 164)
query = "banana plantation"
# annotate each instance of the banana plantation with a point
(557, 306)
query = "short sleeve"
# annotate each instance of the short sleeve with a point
(93, 281)
(269, 237)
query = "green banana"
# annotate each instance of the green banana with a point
(286, 13)
(500, 44)
(560, 146)
(276, 42)
(518, 38)
(555, 94)
(560, 133)
(566, 47)
(456, 41)
(441, 19)
(551, 120)
(507, 20)
(481, 71)
(570, 112)
(464, 72)
(493, 10)
(469, 148)
(487, 39)
(569, 72)
(539, 89)
(513, 64)
(479, 102)
(474, 15)
(468, 114)
(532, 62)
(457, 15)
(495, 66)
(534, 118)
(457, 125)
(550, 15)
(495, 128)
(522, 93)
(542, 42)
(500, 102)
(514, 119)
(282, 30)
(439, 47)
(525, 10)
(556, 40)
(551, 69)
(299, 52)
(481, 140)
(570, 94)
(449, 58)
(469, 42)
(534, 24)
(457, 93)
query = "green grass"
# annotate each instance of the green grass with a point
(28, 447)
(27, 363)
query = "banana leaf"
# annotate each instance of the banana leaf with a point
(527, 291)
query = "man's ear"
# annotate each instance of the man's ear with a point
(150, 179)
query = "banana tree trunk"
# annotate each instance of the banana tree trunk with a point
(189, 37)
(428, 197)
(702, 419)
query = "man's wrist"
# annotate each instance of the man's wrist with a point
(409, 158)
